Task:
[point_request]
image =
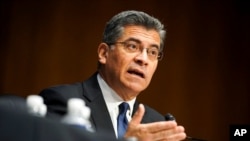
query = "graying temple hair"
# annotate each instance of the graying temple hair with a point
(115, 26)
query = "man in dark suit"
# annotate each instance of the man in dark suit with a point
(128, 57)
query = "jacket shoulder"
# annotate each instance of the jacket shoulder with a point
(56, 97)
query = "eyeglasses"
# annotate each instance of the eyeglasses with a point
(136, 47)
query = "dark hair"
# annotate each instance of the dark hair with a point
(115, 26)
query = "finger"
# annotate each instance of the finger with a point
(179, 136)
(176, 133)
(138, 115)
(160, 126)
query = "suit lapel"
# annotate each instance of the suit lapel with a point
(146, 118)
(100, 117)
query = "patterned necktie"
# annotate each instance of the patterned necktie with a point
(122, 121)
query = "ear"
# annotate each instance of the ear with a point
(102, 52)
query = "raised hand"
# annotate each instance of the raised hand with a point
(157, 131)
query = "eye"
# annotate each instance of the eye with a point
(153, 52)
(132, 46)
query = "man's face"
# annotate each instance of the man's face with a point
(130, 73)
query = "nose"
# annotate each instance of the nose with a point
(142, 57)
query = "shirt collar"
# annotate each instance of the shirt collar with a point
(111, 98)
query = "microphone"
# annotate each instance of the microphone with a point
(170, 117)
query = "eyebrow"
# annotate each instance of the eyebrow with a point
(139, 41)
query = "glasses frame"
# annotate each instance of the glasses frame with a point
(159, 57)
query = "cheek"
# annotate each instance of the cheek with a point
(121, 60)
(117, 64)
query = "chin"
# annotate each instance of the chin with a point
(137, 89)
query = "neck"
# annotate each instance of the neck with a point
(122, 92)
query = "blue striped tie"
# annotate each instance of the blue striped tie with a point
(122, 122)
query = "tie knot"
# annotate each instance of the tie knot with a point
(123, 107)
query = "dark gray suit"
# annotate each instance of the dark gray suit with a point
(56, 99)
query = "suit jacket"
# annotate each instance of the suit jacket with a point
(56, 99)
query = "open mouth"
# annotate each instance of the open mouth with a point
(136, 72)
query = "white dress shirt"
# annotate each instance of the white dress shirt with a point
(113, 100)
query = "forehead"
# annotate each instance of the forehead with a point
(140, 33)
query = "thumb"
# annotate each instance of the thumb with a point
(138, 115)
